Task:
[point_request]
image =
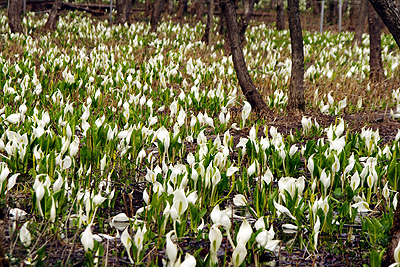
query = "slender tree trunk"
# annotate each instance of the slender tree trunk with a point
(170, 7)
(209, 24)
(148, 8)
(222, 24)
(199, 9)
(124, 9)
(390, 15)
(182, 8)
(248, 6)
(51, 23)
(248, 88)
(156, 14)
(14, 15)
(308, 4)
(394, 233)
(332, 11)
(280, 15)
(272, 5)
(316, 5)
(362, 15)
(353, 16)
(296, 89)
(376, 72)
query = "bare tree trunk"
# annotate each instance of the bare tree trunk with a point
(182, 8)
(170, 7)
(308, 4)
(124, 8)
(148, 8)
(332, 11)
(272, 5)
(248, 88)
(51, 23)
(316, 5)
(280, 15)
(156, 14)
(390, 15)
(14, 15)
(376, 72)
(199, 9)
(362, 15)
(248, 6)
(222, 24)
(209, 24)
(352, 16)
(296, 89)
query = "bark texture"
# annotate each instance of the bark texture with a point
(280, 15)
(362, 15)
(124, 8)
(376, 72)
(316, 5)
(296, 89)
(51, 23)
(209, 24)
(332, 11)
(156, 14)
(170, 7)
(199, 4)
(248, 88)
(390, 15)
(394, 233)
(248, 6)
(182, 8)
(14, 15)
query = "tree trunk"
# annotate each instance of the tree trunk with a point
(182, 8)
(209, 24)
(352, 17)
(390, 15)
(248, 88)
(156, 14)
(170, 7)
(248, 6)
(272, 5)
(362, 15)
(124, 8)
(376, 72)
(394, 233)
(316, 5)
(14, 15)
(51, 23)
(148, 8)
(199, 9)
(332, 11)
(280, 15)
(308, 4)
(296, 89)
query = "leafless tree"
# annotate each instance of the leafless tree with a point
(248, 88)
(376, 72)
(51, 23)
(14, 15)
(362, 15)
(156, 14)
(296, 89)
(280, 15)
(124, 9)
(209, 24)
(248, 6)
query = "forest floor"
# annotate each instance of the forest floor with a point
(286, 124)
